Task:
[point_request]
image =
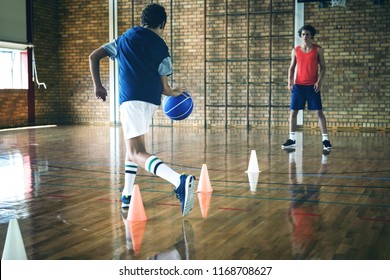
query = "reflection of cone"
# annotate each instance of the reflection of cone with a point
(204, 203)
(136, 208)
(137, 230)
(253, 164)
(204, 181)
(14, 245)
(253, 179)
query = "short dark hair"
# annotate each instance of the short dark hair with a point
(153, 16)
(309, 28)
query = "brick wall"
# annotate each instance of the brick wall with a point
(13, 108)
(48, 105)
(356, 39)
(83, 27)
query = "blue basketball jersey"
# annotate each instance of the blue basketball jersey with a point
(143, 57)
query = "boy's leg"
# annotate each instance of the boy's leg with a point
(324, 131)
(293, 123)
(322, 121)
(298, 101)
(184, 184)
(130, 173)
(315, 103)
(137, 153)
(290, 143)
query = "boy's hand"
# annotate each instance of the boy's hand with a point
(178, 91)
(317, 87)
(101, 93)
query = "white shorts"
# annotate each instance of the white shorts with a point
(136, 117)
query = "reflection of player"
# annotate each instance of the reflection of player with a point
(304, 213)
(182, 249)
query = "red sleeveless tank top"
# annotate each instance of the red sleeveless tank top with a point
(307, 66)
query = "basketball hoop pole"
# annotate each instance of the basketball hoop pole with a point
(299, 21)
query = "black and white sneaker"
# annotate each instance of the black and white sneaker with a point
(327, 145)
(289, 144)
(126, 201)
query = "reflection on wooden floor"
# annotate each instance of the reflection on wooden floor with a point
(63, 185)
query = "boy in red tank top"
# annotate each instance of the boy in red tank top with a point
(305, 60)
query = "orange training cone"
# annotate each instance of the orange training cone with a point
(204, 180)
(137, 230)
(14, 245)
(136, 208)
(204, 203)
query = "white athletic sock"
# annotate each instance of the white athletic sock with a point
(154, 165)
(324, 159)
(292, 136)
(130, 173)
(324, 137)
(291, 157)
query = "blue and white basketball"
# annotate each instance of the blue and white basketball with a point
(179, 107)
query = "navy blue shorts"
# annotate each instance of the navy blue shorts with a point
(302, 94)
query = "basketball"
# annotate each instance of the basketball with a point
(179, 107)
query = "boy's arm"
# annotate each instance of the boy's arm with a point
(94, 66)
(291, 70)
(167, 90)
(321, 73)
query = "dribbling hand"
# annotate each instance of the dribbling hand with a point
(179, 91)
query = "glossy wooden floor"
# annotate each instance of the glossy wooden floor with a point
(63, 184)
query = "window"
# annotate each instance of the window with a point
(13, 69)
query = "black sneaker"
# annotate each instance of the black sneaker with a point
(289, 150)
(289, 144)
(327, 145)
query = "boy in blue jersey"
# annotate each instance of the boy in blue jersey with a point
(144, 65)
